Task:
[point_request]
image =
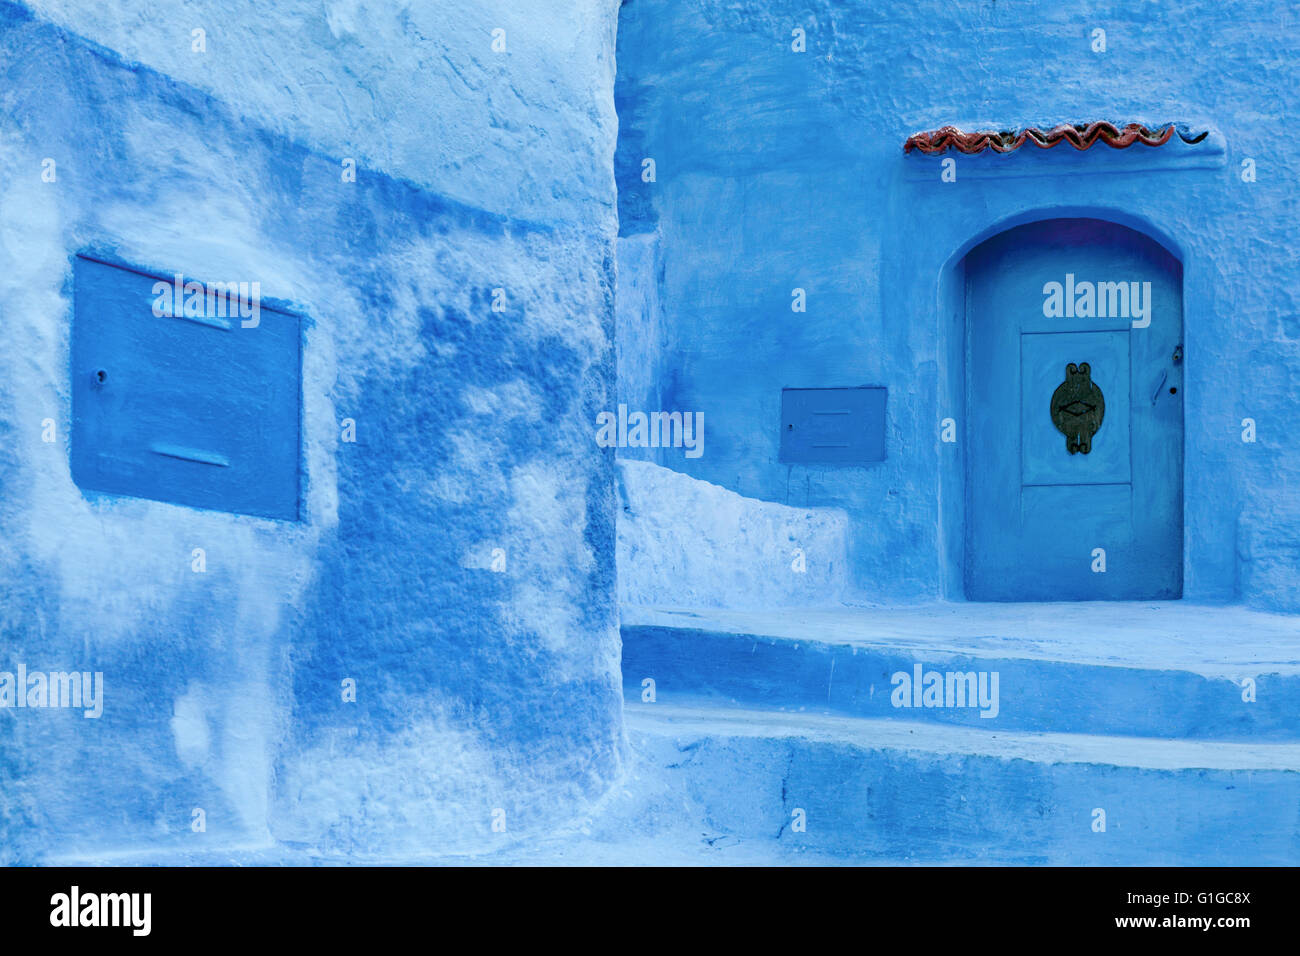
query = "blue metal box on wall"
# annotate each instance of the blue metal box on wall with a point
(184, 391)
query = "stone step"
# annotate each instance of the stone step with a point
(909, 791)
(1164, 671)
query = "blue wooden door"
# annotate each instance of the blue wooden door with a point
(1074, 434)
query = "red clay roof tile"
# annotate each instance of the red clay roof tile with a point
(1080, 136)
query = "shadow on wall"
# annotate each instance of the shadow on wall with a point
(487, 701)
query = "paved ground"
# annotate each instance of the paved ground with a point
(644, 822)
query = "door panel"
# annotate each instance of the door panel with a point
(1074, 481)
(1041, 372)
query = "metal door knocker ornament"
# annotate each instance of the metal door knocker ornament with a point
(1078, 408)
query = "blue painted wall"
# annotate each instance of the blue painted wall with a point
(458, 299)
(778, 170)
(455, 560)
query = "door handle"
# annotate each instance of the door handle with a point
(1164, 376)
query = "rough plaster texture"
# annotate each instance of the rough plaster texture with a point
(412, 88)
(477, 690)
(778, 170)
(641, 330)
(683, 542)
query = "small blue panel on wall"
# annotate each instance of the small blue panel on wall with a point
(195, 402)
(832, 426)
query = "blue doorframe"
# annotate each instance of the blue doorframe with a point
(1074, 408)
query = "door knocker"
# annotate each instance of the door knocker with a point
(1078, 408)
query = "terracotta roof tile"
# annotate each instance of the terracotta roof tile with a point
(1080, 136)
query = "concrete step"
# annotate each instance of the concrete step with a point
(909, 791)
(1157, 670)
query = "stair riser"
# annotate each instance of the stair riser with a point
(1044, 696)
(959, 808)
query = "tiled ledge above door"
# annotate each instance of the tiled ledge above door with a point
(1100, 147)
